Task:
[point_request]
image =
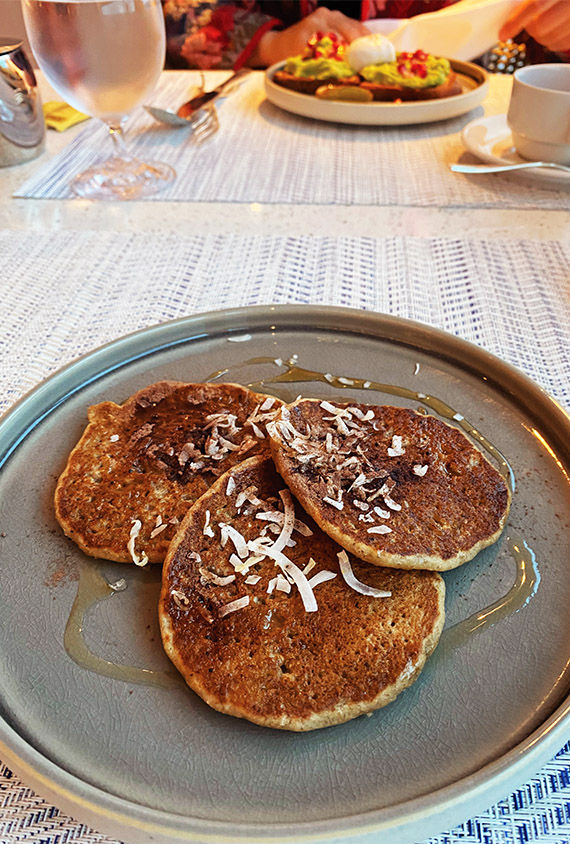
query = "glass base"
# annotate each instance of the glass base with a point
(123, 178)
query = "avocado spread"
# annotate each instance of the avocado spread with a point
(408, 72)
(319, 68)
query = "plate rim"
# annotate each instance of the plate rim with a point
(376, 110)
(429, 812)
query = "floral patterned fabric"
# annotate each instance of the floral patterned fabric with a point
(210, 34)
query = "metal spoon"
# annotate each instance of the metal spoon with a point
(171, 118)
(505, 168)
(189, 112)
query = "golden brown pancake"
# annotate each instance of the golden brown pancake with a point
(392, 486)
(274, 657)
(139, 466)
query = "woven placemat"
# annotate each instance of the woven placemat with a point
(264, 154)
(76, 290)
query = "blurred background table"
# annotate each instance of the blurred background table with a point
(76, 274)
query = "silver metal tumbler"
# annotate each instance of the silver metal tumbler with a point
(22, 126)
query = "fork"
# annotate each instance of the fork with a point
(205, 128)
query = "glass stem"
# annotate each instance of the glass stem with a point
(118, 138)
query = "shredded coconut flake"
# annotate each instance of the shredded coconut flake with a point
(379, 529)
(328, 377)
(142, 559)
(354, 583)
(233, 606)
(364, 417)
(310, 566)
(231, 486)
(383, 514)
(157, 530)
(388, 501)
(114, 438)
(278, 518)
(288, 521)
(278, 361)
(229, 532)
(338, 504)
(347, 381)
(367, 385)
(252, 579)
(416, 369)
(282, 584)
(207, 531)
(267, 404)
(358, 481)
(180, 599)
(293, 571)
(321, 577)
(458, 417)
(119, 585)
(396, 450)
(420, 470)
(361, 505)
(212, 577)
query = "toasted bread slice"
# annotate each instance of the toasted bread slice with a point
(392, 486)
(385, 93)
(139, 466)
(309, 84)
(274, 658)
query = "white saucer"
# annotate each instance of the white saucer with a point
(490, 139)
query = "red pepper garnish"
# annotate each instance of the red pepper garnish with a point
(333, 49)
(419, 69)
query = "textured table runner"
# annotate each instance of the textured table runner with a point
(74, 291)
(265, 154)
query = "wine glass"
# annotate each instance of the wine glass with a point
(103, 57)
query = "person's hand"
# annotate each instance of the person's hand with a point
(276, 46)
(547, 21)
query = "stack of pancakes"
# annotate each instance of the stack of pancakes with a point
(301, 543)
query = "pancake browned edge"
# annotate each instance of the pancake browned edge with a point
(139, 466)
(270, 660)
(394, 487)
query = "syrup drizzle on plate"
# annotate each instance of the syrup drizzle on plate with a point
(92, 589)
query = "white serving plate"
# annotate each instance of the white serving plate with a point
(473, 79)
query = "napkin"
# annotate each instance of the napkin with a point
(463, 31)
(61, 116)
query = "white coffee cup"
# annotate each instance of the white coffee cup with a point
(539, 112)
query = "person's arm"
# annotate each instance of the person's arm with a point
(547, 21)
(275, 46)
(216, 34)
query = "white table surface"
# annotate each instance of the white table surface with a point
(254, 218)
(190, 219)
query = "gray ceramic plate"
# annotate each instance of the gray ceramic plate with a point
(153, 764)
